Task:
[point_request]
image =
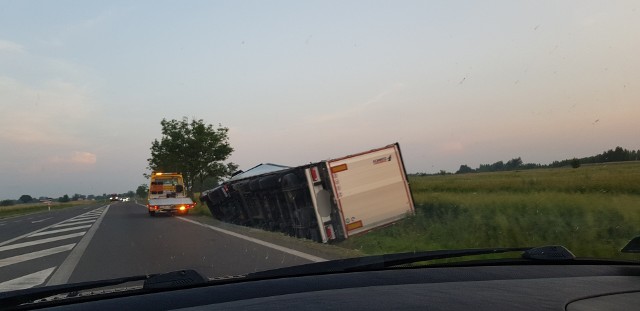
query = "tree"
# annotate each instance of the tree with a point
(464, 169)
(513, 164)
(208, 183)
(142, 190)
(575, 163)
(25, 198)
(498, 166)
(64, 198)
(193, 148)
(7, 202)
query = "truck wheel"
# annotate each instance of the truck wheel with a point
(152, 213)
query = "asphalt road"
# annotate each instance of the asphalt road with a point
(120, 239)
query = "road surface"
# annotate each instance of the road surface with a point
(120, 239)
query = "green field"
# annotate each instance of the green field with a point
(22, 209)
(592, 210)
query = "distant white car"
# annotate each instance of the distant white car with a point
(125, 199)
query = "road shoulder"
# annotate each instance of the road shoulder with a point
(324, 251)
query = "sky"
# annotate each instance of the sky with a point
(85, 84)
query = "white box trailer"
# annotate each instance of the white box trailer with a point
(323, 201)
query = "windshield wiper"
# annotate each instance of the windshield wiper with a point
(389, 260)
(632, 246)
(152, 283)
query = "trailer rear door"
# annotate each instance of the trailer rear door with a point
(371, 189)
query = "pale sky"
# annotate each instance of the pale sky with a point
(84, 84)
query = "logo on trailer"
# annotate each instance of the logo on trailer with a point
(382, 160)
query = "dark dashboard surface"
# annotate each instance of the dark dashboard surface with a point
(521, 287)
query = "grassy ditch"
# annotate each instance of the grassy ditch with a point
(200, 208)
(593, 210)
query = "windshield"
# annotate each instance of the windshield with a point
(229, 137)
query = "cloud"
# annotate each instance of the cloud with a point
(49, 114)
(361, 108)
(77, 157)
(452, 147)
(79, 28)
(9, 46)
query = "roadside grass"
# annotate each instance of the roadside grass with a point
(22, 209)
(593, 210)
(200, 208)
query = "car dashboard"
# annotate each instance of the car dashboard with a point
(488, 287)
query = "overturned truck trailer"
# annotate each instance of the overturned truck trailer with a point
(323, 201)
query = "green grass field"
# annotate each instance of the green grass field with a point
(593, 210)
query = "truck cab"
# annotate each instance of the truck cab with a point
(167, 194)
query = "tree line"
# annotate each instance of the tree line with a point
(617, 154)
(25, 198)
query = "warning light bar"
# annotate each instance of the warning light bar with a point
(163, 173)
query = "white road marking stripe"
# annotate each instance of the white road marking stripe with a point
(41, 241)
(92, 214)
(89, 215)
(41, 220)
(84, 217)
(263, 243)
(26, 281)
(67, 224)
(60, 230)
(62, 275)
(30, 233)
(81, 219)
(34, 255)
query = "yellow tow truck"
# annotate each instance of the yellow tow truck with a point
(167, 194)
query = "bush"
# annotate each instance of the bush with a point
(575, 163)
(64, 199)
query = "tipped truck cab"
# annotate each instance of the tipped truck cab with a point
(167, 194)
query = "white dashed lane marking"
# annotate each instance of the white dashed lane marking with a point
(34, 255)
(41, 241)
(60, 230)
(33, 246)
(74, 223)
(26, 281)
